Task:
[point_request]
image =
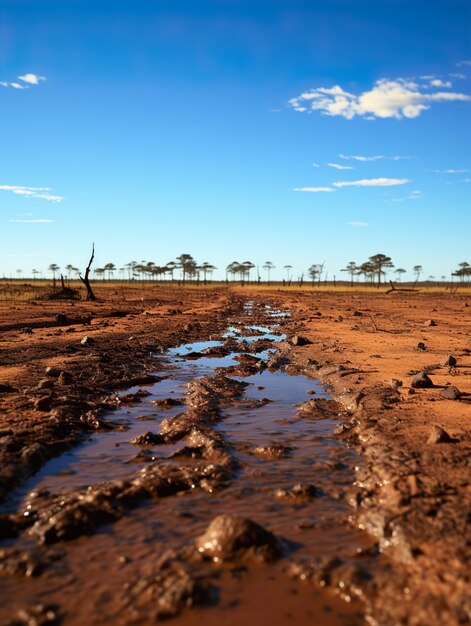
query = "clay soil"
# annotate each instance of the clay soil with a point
(412, 491)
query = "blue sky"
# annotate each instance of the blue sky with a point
(292, 131)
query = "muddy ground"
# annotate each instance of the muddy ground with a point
(409, 495)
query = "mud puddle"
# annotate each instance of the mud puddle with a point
(283, 468)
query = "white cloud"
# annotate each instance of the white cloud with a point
(314, 189)
(463, 63)
(459, 75)
(372, 182)
(436, 82)
(462, 171)
(416, 194)
(398, 99)
(32, 192)
(348, 157)
(32, 221)
(340, 167)
(315, 165)
(27, 79)
(362, 224)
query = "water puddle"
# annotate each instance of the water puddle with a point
(275, 448)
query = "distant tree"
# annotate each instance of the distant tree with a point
(399, 272)
(380, 261)
(313, 272)
(352, 269)
(233, 268)
(53, 268)
(99, 272)
(171, 266)
(418, 269)
(206, 268)
(35, 273)
(187, 264)
(246, 267)
(19, 272)
(368, 271)
(68, 269)
(110, 268)
(288, 269)
(268, 267)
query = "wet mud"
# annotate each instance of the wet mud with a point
(224, 465)
(223, 472)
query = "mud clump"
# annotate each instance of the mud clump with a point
(230, 537)
(272, 451)
(300, 492)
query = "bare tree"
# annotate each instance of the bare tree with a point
(268, 267)
(90, 295)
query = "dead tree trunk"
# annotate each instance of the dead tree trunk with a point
(90, 295)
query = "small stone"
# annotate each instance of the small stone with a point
(421, 346)
(65, 378)
(297, 340)
(87, 341)
(43, 403)
(230, 536)
(147, 439)
(395, 382)
(450, 392)
(430, 323)
(54, 372)
(46, 383)
(357, 313)
(411, 392)
(438, 435)
(450, 361)
(421, 381)
(61, 318)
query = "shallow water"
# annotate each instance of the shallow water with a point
(314, 529)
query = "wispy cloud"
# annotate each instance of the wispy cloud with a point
(372, 182)
(40, 221)
(27, 80)
(436, 82)
(340, 167)
(32, 192)
(314, 189)
(400, 98)
(461, 171)
(461, 63)
(377, 157)
(361, 224)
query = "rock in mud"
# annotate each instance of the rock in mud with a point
(430, 323)
(272, 451)
(421, 346)
(54, 372)
(87, 341)
(43, 403)
(167, 403)
(231, 537)
(45, 383)
(65, 379)
(421, 381)
(450, 392)
(298, 340)
(450, 361)
(147, 439)
(300, 492)
(439, 435)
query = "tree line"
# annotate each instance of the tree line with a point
(185, 268)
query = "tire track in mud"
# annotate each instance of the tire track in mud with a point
(233, 457)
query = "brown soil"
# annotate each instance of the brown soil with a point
(412, 491)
